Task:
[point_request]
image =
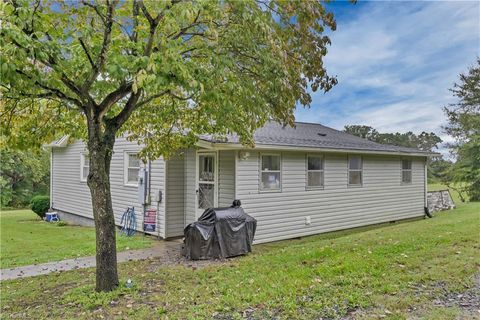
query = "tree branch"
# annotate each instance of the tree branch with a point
(51, 62)
(155, 96)
(153, 23)
(185, 29)
(87, 53)
(116, 122)
(135, 21)
(147, 14)
(182, 98)
(94, 7)
(107, 37)
(54, 91)
(114, 97)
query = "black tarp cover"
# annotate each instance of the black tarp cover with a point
(220, 233)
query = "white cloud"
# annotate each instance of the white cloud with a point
(395, 62)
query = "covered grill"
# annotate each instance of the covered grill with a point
(220, 233)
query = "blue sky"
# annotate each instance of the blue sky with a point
(395, 62)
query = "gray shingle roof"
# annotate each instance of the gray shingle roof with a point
(313, 135)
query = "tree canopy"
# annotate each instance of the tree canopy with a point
(23, 174)
(160, 72)
(163, 71)
(464, 125)
(427, 141)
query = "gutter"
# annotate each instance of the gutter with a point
(239, 146)
(51, 178)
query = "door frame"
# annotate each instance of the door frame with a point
(198, 212)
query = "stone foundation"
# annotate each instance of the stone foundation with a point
(439, 201)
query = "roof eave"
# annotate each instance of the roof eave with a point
(258, 146)
(60, 143)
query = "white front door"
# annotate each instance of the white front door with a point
(206, 181)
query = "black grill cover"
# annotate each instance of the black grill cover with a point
(220, 233)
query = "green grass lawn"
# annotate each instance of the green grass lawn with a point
(25, 239)
(393, 271)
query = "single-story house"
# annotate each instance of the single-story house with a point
(296, 182)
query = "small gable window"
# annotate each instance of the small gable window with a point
(406, 171)
(315, 175)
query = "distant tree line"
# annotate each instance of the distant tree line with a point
(462, 174)
(464, 126)
(427, 141)
(424, 141)
(23, 174)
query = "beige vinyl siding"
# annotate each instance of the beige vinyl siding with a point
(175, 200)
(226, 178)
(71, 195)
(281, 215)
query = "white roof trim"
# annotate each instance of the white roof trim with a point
(205, 144)
(60, 143)
(238, 146)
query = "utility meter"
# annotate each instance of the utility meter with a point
(142, 185)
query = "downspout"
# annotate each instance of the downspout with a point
(51, 178)
(149, 195)
(425, 182)
(148, 199)
(425, 189)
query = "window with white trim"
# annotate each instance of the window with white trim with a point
(84, 166)
(315, 175)
(355, 171)
(132, 167)
(407, 171)
(270, 172)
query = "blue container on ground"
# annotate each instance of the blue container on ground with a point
(52, 217)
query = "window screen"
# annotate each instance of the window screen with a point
(315, 174)
(406, 171)
(355, 168)
(270, 172)
(132, 168)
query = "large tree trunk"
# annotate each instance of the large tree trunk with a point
(100, 147)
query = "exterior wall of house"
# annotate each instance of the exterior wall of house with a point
(226, 178)
(175, 199)
(71, 195)
(282, 215)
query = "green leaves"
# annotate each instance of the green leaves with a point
(464, 126)
(195, 67)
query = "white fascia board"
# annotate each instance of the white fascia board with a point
(237, 146)
(60, 143)
(206, 145)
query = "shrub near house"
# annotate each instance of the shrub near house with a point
(40, 205)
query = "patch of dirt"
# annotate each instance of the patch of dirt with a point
(468, 301)
(174, 257)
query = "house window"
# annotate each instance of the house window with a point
(406, 171)
(270, 171)
(132, 167)
(355, 171)
(314, 172)
(84, 166)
